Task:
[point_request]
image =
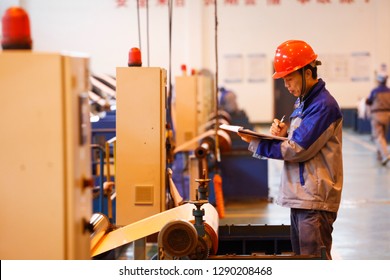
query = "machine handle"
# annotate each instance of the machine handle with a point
(87, 183)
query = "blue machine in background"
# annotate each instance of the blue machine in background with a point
(102, 98)
(243, 177)
(102, 132)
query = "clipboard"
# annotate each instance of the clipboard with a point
(236, 128)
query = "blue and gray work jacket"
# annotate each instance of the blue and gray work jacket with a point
(312, 176)
(379, 99)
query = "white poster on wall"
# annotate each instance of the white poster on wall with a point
(360, 67)
(233, 68)
(256, 68)
(334, 68)
(354, 67)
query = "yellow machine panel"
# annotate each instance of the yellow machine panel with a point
(140, 148)
(206, 100)
(186, 109)
(193, 106)
(45, 168)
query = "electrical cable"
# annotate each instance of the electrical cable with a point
(139, 27)
(217, 180)
(170, 46)
(169, 93)
(217, 151)
(169, 123)
(147, 28)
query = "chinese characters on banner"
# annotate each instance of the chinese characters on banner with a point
(232, 3)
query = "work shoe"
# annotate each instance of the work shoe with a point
(384, 162)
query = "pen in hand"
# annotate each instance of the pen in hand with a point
(281, 121)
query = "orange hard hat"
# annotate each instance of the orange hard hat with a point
(16, 29)
(291, 56)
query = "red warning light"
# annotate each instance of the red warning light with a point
(16, 29)
(135, 57)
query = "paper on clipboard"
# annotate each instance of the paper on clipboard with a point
(236, 128)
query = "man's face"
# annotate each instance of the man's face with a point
(293, 83)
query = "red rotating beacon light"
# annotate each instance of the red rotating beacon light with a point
(16, 29)
(134, 57)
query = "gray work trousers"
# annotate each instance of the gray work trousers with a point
(380, 122)
(311, 230)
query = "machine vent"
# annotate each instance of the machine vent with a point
(144, 195)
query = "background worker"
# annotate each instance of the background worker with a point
(379, 102)
(312, 176)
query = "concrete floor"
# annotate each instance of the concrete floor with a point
(362, 229)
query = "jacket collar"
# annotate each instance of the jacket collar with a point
(314, 90)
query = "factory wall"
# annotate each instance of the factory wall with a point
(351, 38)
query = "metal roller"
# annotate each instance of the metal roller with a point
(192, 239)
(207, 144)
(223, 138)
(211, 238)
(100, 226)
(178, 238)
(204, 148)
(105, 238)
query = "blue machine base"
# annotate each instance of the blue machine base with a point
(243, 176)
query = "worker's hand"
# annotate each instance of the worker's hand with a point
(278, 128)
(245, 137)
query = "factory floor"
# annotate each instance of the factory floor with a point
(362, 229)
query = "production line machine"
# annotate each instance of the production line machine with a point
(45, 183)
(47, 155)
(188, 231)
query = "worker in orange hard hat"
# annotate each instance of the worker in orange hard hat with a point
(312, 177)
